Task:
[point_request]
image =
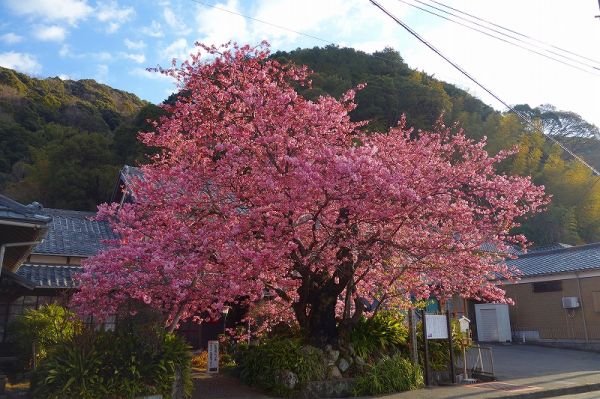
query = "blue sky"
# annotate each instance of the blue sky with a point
(113, 41)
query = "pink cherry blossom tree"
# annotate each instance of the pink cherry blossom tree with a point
(257, 189)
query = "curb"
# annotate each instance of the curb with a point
(550, 393)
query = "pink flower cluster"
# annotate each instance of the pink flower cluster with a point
(255, 188)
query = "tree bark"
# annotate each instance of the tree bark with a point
(322, 324)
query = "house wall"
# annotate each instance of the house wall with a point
(542, 312)
(54, 259)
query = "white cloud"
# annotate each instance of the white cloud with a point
(65, 51)
(115, 16)
(63, 76)
(179, 49)
(218, 27)
(139, 58)
(143, 73)
(175, 23)
(70, 11)
(130, 44)
(11, 38)
(513, 74)
(52, 33)
(154, 30)
(100, 55)
(101, 73)
(22, 62)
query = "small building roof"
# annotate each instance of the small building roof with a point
(121, 192)
(11, 210)
(558, 260)
(72, 233)
(50, 276)
(21, 227)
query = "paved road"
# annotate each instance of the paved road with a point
(524, 369)
(589, 395)
(521, 369)
(518, 361)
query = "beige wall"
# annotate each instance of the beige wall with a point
(54, 260)
(543, 311)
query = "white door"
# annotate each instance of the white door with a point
(488, 326)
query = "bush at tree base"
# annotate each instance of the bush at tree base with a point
(119, 365)
(261, 365)
(384, 332)
(390, 374)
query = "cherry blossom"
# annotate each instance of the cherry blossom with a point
(258, 190)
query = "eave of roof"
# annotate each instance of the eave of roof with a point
(12, 211)
(558, 261)
(50, 276)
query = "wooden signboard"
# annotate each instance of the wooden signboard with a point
(436, 326)
(213, 357)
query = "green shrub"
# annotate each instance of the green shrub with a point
(261, 365)
(388, 375)
(384, 332)
(72, 370)
(42, 328)
(96, 365)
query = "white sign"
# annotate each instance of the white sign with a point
(213, 357)
(436, 326)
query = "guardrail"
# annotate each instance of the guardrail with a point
(479, 362)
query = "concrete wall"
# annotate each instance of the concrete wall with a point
(542, 312)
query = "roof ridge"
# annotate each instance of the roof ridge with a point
(574, 248)
(67, 211)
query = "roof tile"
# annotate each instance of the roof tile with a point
(72, 233)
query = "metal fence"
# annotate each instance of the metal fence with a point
(479, 361)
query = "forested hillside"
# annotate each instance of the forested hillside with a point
(61, 142)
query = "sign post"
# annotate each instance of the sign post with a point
(213, 357)
(425, 349)
(464, 343)
(450, 348)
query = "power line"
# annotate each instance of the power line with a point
(527, 121)
(515, 32)
(470, 77)
(262, 21)
(512, 37)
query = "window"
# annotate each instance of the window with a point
(547, 286)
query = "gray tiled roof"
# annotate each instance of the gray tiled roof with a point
(549, 247)
(50, 276)
(12, 210)
(562, 260)
(72, 233)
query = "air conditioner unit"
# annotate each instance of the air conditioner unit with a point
(570, 302)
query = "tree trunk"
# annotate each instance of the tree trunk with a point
(322, 325)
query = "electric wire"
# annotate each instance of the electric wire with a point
(513, 31)
(569, 58)
(262, 21)
(524, 118)
(328, 42)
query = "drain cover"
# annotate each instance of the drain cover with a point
(502, 386)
